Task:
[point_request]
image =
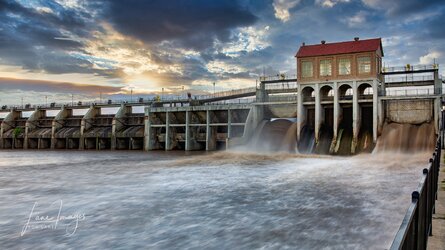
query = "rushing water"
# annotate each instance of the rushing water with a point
(225, 200)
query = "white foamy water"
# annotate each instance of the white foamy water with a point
(128, 200)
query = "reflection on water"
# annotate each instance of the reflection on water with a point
(224, 200)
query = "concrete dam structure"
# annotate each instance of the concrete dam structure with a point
(341, 102)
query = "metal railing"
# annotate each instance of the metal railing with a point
(138, 101)
(233, 101)
(417, 223)
(281, 86)
(227, 93)
(409, 67)
(411, 92)
(409, 79)
(278, 77)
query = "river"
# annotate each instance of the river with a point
(223, 200)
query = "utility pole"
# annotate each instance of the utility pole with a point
(131, 94)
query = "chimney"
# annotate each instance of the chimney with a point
(323, 41)
(356, 38)
(303, 44)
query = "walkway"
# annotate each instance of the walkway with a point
(437, 241)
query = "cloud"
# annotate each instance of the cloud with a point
(282, 7)
(430, 57)
(27, 37)
(191, 23)
(330, 3)
(358, 20)
(247, 40)
(402, 7)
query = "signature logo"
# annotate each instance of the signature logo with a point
(38, 221)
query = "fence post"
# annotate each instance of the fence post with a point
(415, 199)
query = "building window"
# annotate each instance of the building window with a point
(344, 66)
(364, 64)
(325, 68)
(306, 69)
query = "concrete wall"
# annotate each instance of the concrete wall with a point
(410, 111)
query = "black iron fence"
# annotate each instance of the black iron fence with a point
(417, 223)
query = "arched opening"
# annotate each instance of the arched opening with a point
(345, 92)
(327, 93)
(308, 94)
(365, 91)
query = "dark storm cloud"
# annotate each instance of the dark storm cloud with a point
(407, 7)
(194, 23)
(436, 26)
(28, 38)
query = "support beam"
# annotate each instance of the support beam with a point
(147, 130)
(355, 116)
(210, 133)
(30, 125)
(86, 124)
(57, 124)
(318, 112)
(336, 121)
(187, 131)
(301, 114)
(229, 123)
(118, 124)
(167, 131)
(375, 85)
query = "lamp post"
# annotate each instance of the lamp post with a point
(72, 99)
(214, 88)
(162, 95)
(46, 101)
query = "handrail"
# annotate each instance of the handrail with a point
(409, 67)
(411, 92)
(139, 101)
(409, 79)
(416, 226)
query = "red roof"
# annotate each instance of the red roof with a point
(340, 48)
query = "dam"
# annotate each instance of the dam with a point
(340, 102)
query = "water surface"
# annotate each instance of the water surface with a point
(128, 200)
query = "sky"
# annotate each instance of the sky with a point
(56, 50)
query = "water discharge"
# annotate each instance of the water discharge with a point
(406, 138)
(281, 136)
(274, 136)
